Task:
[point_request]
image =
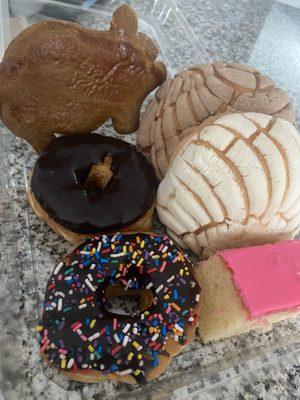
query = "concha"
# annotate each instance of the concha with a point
(199, 92)
(234, 181)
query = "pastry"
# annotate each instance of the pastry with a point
(58, 77)
(234, 182)
(83, 185)
(201, 91)
(248, 289)
(89, 343)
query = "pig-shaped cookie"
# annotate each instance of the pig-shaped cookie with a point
(58, 77)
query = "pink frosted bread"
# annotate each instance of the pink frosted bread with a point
(248, 288)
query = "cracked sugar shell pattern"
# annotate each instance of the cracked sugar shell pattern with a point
(199, 92)
(235, 181)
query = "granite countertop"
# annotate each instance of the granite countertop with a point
(262, 33)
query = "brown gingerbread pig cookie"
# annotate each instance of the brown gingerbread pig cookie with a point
(58, 77)
(198, 92)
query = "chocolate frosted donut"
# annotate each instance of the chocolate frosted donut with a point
(89, 343)
(64, 189)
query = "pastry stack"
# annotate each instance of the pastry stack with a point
(222, 143)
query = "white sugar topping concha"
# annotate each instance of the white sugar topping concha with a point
(199, 92)
(235, 181)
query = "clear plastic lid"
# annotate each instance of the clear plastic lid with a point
(266, 36)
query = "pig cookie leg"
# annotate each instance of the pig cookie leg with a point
(127, 121)
(39, 140)
(30, 132)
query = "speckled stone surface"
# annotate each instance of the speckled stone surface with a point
(263, 33)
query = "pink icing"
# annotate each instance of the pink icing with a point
(268, 276)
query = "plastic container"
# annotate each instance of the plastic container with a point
(29, 250)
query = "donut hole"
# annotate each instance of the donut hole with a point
(97, 178)
(130, 302)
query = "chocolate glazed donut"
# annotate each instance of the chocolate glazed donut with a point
(83, 185)
(88, 342)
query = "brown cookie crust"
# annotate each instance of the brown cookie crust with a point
(58, 77)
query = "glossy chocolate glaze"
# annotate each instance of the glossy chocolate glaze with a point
(61, 170)
(77, 326)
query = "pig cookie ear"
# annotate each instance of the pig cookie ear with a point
(147, 45)
(124, 20)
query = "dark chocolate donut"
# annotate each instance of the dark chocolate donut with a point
(78, 333)
(60, 173)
